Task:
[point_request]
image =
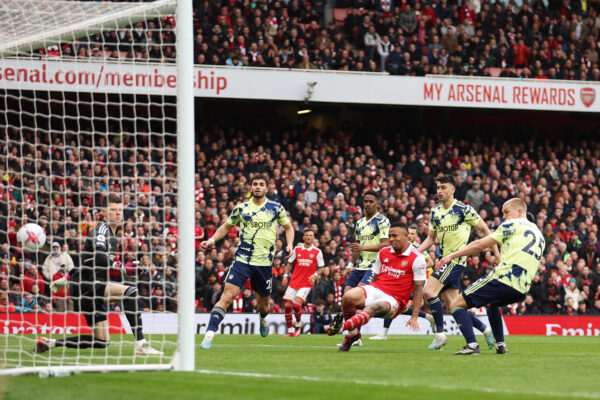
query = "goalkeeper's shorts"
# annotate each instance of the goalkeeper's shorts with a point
(89, 300)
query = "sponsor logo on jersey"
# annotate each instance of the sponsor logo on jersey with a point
(449, 228)
(393, 272)
(365, 237)
(259, 225)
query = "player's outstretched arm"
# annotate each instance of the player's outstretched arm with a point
(429, 241)
(286, 274)
(483, 228)
(373, 247)
(289, 238)
(219, 234)
(470, 249)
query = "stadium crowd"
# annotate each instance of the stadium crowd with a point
(542, 40)
(319, 178)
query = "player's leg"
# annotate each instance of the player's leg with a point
(422, 314)
(128, 296)
(92, 307)
(433, 287)
(450, 295)
(465, 323)
(495, 318)
(217, 314)
(288, 309)
(352, 299)
(261, 280)
(299, 300)
(386, 327)
(235, 279)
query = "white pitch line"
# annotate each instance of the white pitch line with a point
(577, 395)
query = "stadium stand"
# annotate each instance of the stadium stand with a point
(554, 41)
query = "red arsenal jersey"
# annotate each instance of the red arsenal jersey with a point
(305, 263)
(396, 273)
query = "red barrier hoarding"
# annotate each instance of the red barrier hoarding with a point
(45, 324)
(553, 325)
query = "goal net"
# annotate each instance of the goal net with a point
(88, 109)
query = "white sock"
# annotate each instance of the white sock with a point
(498, 344)
(487, 331)
(291, 330)
(385, 331)
(140, 343)
(473, 345)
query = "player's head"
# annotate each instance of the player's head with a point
(514, 208)
(259, 185)
(113, 208)
(412, 233)
(399, 236)
(446, 185)
(308, 237)
(370, 202)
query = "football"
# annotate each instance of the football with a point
(31, 237)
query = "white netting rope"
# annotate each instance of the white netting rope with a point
(61, 153)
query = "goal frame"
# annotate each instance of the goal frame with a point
(184, 357)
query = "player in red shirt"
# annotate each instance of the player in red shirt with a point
(398, 270)
(305, 259)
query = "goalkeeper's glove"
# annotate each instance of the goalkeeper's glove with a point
(57, 285)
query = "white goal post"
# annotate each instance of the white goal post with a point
(65, 150)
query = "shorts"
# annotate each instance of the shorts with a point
(363, 276)
(261, 278)
(291, 294)
(88, 299)
(489, 291)
(374, 295)
(449, 275)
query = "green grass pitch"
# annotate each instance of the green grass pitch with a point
(310, 367)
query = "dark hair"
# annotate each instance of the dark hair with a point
(319, 302)
(413, 226)
(399, 225)
(371, 193)
(446, 179)
(111, 199)
(258, 177)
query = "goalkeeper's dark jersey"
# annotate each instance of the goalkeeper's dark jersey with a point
(101, 248)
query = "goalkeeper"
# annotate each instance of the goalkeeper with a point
(95, 283)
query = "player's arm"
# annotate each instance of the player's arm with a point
(314, 278)
(419, 277)
(373, 247)
(219, 234)
(470, 249)
(428, 261)
(288, 269)
(483, 228)
(289, 237)
(429, 241)
(376, 268)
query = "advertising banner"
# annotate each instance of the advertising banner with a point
(298, 85)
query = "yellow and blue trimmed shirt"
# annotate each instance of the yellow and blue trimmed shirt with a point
(522, 249)
(453, 227)
(258, 231)
(370, 232)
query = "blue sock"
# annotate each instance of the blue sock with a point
(477, 324)
(495, 318)
(216, 317)
(435, 305)
(409, 312)
(387, 323)
(465, 323)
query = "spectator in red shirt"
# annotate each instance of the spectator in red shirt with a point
(521, 54)
(32, 277)
(62, 301)
(467, 14)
